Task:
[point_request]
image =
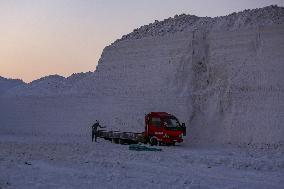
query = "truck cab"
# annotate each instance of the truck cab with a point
(163, 128)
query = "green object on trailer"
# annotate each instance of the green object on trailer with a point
(139, 147)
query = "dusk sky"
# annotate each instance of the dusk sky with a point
(44, 37)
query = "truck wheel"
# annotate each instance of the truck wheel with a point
(115, 140)
(153, 141)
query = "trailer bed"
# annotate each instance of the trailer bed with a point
(119, 137)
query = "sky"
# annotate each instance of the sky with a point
(45, 37)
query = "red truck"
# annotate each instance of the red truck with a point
(160, 128)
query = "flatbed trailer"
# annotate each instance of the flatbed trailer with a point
(122, 137)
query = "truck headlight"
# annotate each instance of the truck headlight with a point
(180, 136)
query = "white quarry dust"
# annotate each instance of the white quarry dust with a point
(74, 162)
(222, 76)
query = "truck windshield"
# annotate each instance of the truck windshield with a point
(171, 122)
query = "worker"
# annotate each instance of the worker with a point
(95, 130)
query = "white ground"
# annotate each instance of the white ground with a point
(75, 162)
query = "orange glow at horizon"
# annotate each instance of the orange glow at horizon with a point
(43, 39)
(33, 55)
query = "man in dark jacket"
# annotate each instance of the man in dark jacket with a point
(95, 130)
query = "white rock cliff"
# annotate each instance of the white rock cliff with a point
(222, 76)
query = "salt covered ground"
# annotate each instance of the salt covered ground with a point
(75, 162)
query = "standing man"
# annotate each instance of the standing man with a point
(95, 130)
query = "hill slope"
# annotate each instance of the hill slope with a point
(7, 84)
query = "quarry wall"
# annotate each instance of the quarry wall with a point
(227, 86)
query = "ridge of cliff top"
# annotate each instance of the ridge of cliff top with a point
(184, 22)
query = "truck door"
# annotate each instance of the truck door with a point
(155, 127)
